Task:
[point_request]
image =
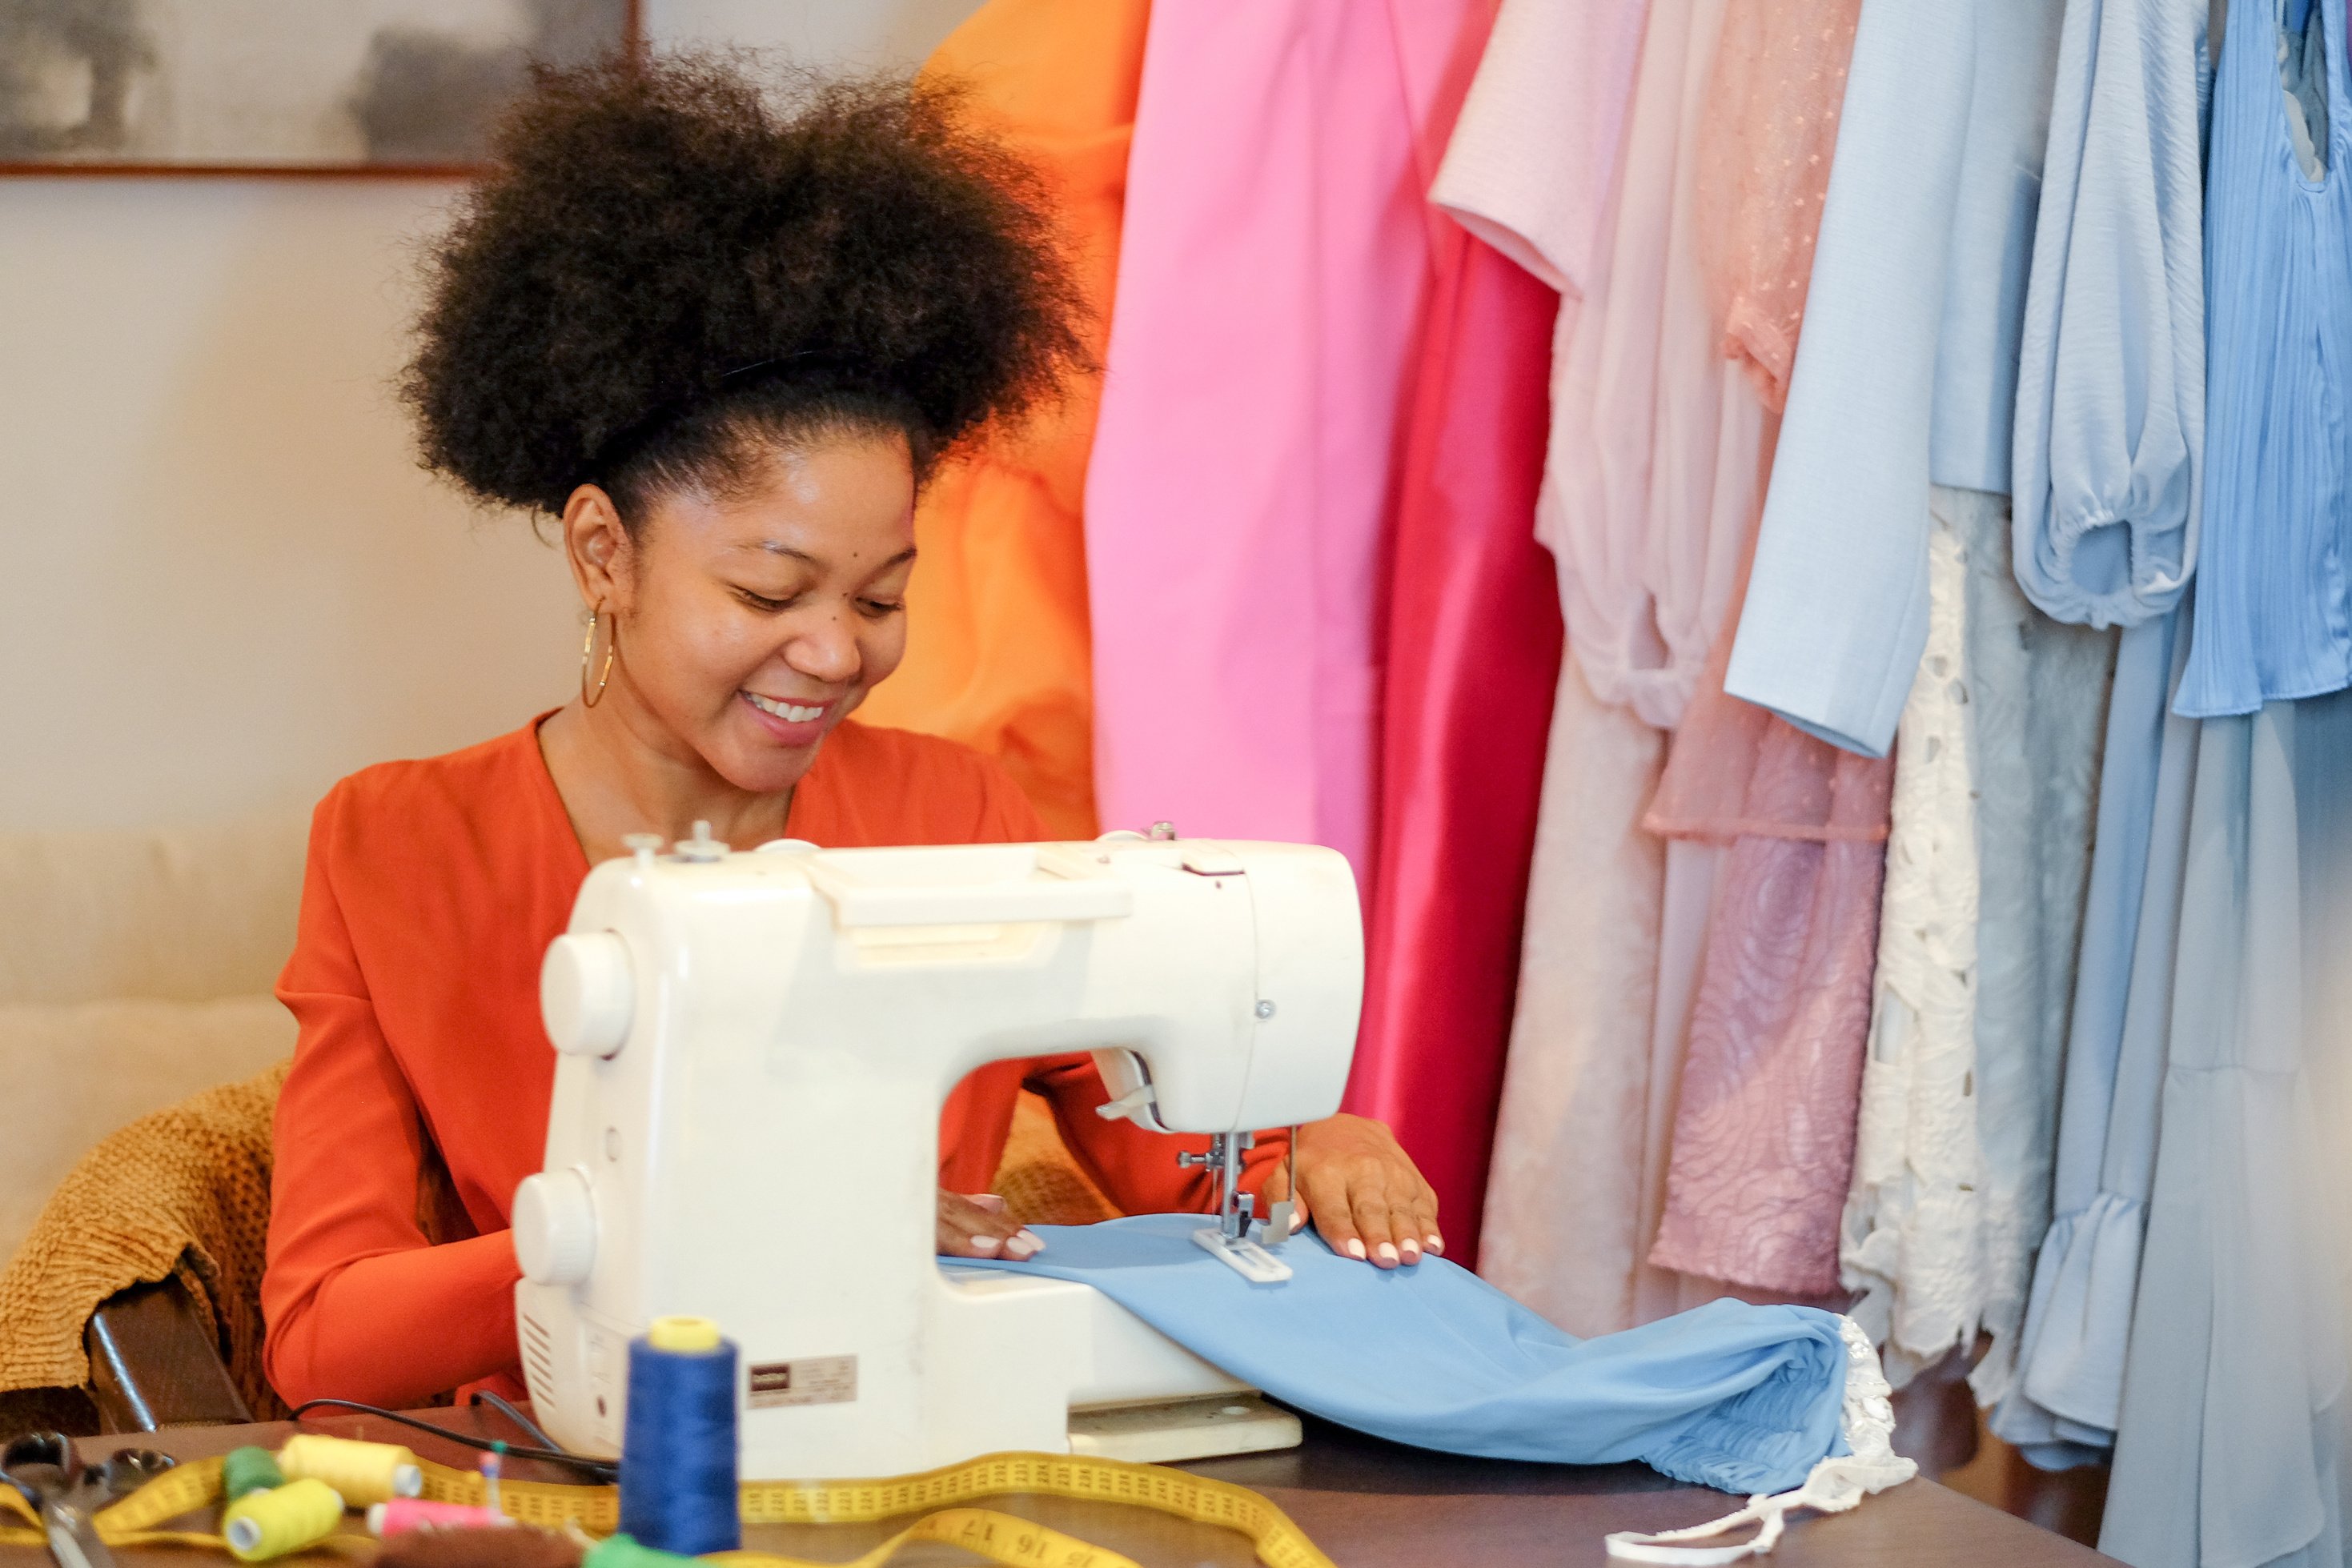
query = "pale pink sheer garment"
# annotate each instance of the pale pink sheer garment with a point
(1764, 168)
(1764, 1124)
(1763, 1139)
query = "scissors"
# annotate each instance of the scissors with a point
(48, 1474)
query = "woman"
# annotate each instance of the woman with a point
(723, 349)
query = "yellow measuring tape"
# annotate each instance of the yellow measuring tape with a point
(1000, 1537)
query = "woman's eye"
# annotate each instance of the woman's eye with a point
(760, 601)
(879, 608)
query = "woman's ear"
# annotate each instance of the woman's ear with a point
(597, 545)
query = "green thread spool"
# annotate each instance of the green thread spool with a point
(250, 1470)
(265, 1524)
(620, 1552)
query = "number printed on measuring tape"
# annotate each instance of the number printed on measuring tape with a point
(942, 1496)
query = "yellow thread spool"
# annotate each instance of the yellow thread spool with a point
(682, 1335)
(364, 1473)
(265, 1524)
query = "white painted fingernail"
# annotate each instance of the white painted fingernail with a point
(1388, 1252)
(1355, 1247)
(983, 1243)
(1411, 1250)
(1297, 1221)
(1021, 1247)
(1436, 1242)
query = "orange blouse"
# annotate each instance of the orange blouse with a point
(432, 890)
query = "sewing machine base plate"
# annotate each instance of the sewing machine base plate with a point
(1182, 1429)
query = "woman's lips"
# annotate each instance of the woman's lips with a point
(794, 723)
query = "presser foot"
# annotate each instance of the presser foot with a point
(1246, 1257)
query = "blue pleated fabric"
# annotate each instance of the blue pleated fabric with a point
(2273, 605)
(1740, 1397)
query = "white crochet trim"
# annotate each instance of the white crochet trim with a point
(1834, 1486)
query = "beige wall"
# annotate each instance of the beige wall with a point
(223, 581)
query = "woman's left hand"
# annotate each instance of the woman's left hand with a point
(1363, 1191)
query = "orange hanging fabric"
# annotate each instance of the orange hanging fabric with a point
(998, 649)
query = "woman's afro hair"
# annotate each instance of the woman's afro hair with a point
(663, 266)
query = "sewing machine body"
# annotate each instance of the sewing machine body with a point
(756, 1049)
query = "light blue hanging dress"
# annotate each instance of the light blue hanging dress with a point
(2274, 602)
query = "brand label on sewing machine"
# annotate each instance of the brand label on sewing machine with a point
(812, 1380)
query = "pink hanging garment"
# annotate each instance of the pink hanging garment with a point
(1531, 169)
(1648, 489)
(1764, 1127)
(1764, 171)
(1272, 270)
(1763, 1134)
(1474, 651)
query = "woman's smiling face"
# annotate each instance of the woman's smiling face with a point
(750, 622)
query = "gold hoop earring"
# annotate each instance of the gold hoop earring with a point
(587, 656)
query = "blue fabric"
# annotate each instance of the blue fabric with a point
(1906, 371)
(2111, 391)
(2274, 606)
(2230, 1448)
(1745, 1398)
(2064, 1406)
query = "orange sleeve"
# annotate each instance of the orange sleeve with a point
(358, 1305)
(1006, 817)
(1136, 1170)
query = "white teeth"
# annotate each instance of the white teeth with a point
(791, 713)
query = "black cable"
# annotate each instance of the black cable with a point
(605, 1471)
(484, 1397)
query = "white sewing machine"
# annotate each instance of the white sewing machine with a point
(745, 1127)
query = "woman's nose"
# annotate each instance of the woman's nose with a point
(827, 651)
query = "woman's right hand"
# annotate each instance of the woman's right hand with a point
(976, 1226)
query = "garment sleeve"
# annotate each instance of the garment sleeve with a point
(1006, 816)
(1836, 612)
(1135, 1168)
(358, 1304)
(1532, 161)
(2111, 408)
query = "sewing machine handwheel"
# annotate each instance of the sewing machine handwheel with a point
(587, 993)
(555, 1222)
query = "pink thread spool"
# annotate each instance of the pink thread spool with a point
(402, 1514)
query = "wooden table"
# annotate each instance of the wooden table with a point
(1367, 1503)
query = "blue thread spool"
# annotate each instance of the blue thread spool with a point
(677, 1447)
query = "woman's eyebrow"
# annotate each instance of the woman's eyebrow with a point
(777, 547)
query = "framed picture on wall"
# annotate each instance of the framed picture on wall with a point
(296, 87)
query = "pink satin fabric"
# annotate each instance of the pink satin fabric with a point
(1474, 652)
(1273, 273)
